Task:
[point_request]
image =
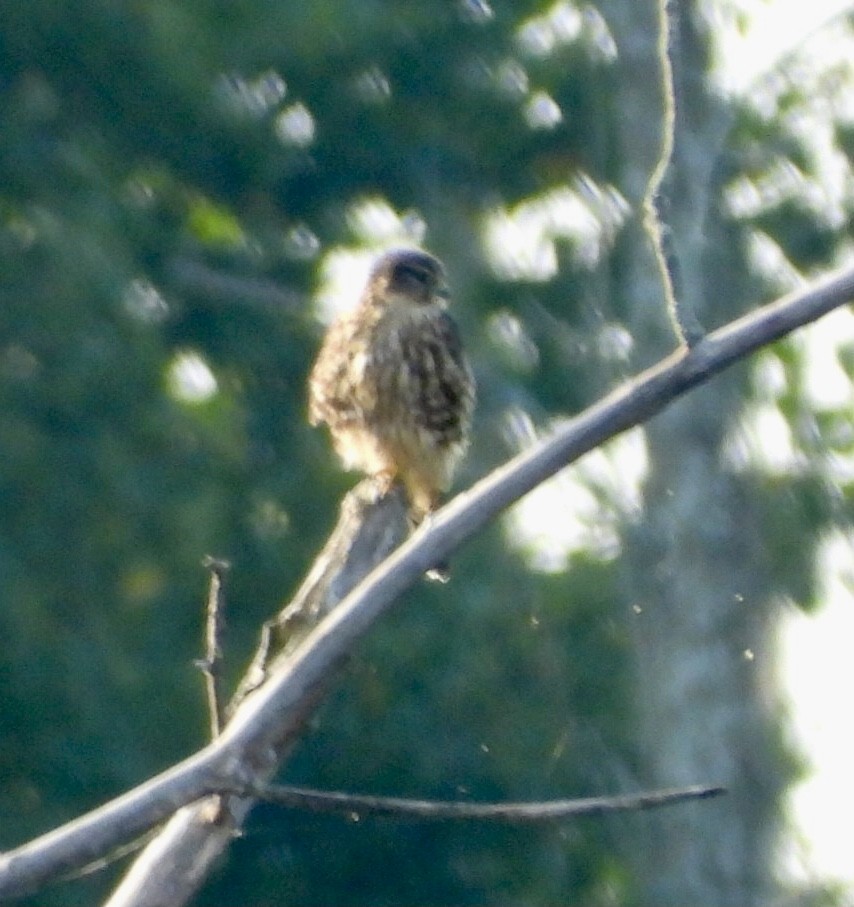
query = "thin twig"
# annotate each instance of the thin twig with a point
(685, 324)
(211, 664)
(510, 813)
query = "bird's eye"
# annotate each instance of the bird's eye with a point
(406, 274)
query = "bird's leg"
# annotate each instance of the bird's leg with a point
(384, 481)
(422, 516)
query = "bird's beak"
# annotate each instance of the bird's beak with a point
(443, 291)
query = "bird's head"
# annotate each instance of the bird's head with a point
(410, 276)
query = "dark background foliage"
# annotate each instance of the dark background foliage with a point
(176, 180)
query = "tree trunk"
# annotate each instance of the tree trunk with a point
(695, 580)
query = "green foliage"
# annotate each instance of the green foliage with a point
(158, 162)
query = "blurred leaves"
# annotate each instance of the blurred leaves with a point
(175, 179)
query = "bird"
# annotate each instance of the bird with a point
(393, 384)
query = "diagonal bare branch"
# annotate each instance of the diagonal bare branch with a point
(266, 715)
(268, 721)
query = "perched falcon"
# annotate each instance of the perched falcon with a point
(392, 383)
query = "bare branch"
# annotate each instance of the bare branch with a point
(511, 813)
(268, 721)
(170, 869)
(97, 834)
(265, 716)
(369, 528)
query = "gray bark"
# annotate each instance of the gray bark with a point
(695, 577)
